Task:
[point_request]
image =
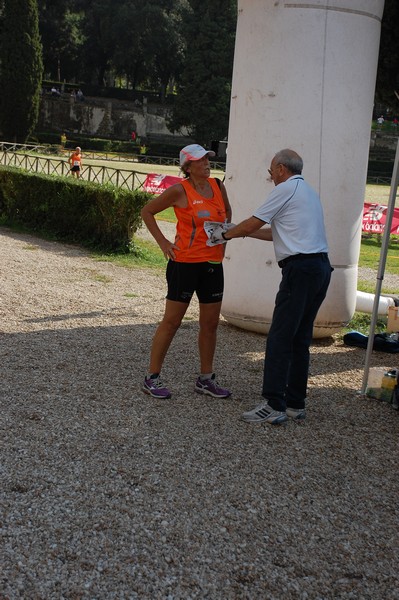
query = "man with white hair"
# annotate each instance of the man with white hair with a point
(294, 212)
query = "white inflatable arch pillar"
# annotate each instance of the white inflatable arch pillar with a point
(304, 78)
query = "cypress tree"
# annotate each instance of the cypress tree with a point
(20, 70)
(387, 89)
(203, 100)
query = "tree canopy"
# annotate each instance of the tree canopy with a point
(387, 88)
(203, 90)
(180, 46)
(21, 69)
(154, 43)
(103, 41)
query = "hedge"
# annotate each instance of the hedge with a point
(101, 216)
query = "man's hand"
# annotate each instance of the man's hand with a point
(216, 237)
(214, 232)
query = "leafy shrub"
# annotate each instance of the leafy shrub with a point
(101, 216)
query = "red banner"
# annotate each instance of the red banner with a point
(374, 217)
(156, 184)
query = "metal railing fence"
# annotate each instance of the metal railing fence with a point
(30, 157)
(92, 155)
(124, 178)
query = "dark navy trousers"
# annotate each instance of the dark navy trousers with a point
(303, 287)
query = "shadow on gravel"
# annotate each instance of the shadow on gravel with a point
(106, 493)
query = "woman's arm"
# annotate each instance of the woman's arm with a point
(173, 196)
(227, 206)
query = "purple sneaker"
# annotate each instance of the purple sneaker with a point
(210, 387)
(155, 388)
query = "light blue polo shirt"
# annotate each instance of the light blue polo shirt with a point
(295, 214)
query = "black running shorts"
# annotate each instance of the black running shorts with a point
(205, 278)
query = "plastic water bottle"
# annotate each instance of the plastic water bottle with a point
(388, 385)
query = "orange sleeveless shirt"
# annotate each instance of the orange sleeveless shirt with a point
(76, 159)
(191, 237)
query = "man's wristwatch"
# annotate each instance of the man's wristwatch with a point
(224, 237)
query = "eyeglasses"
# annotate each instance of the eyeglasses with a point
(270, 171)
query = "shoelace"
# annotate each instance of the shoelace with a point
(213, 383)
(207, 381)
(157, 383)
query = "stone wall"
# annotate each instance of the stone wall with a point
(383, 139)
(105, 118)
(117, 119)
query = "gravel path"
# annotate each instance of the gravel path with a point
(109, 494)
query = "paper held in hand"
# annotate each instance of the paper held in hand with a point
(212, 227)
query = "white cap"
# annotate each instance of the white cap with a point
(193, 152)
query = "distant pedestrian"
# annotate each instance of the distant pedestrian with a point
(142, 152)
(75, 161)
(63, 140)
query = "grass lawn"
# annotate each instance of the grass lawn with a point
(370, 247)
(378, 194)
(167, 215)
(370, 254)
(149, 255)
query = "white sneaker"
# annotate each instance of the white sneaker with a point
(297, 414)
(263, 413)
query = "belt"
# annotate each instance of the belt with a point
(285, 261)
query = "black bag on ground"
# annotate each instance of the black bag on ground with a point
(381, 343)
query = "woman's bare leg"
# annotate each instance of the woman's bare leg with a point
(174, 313)
(208, 322)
